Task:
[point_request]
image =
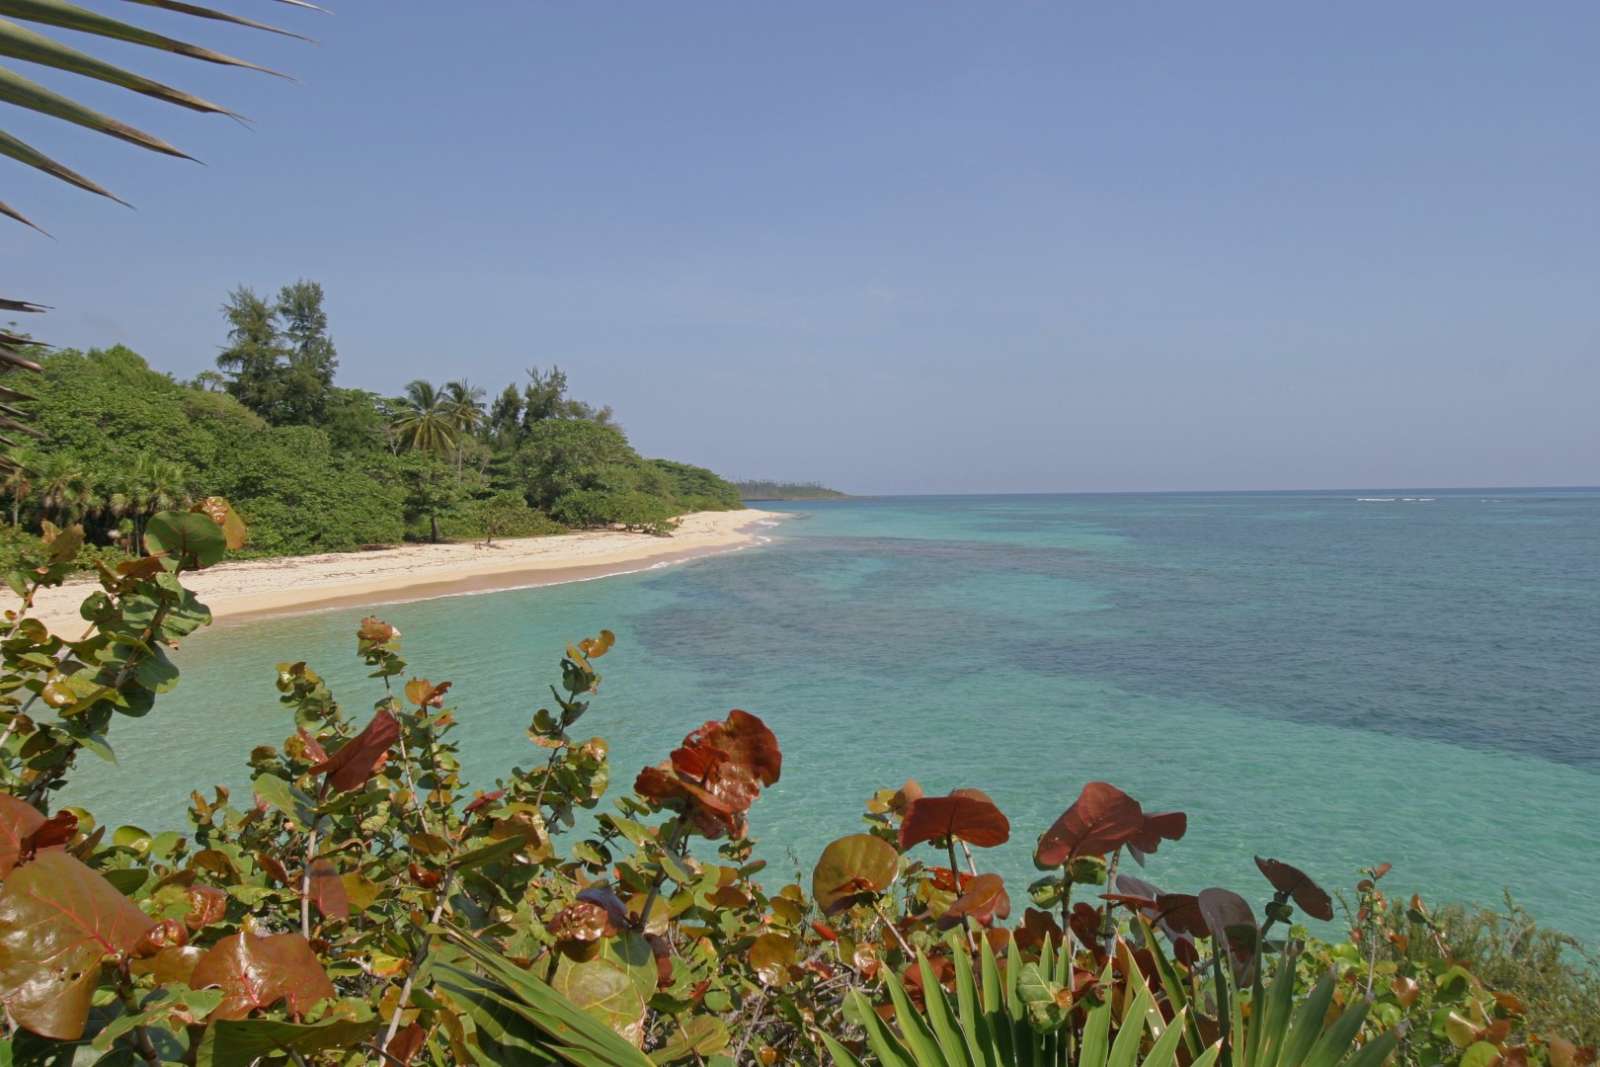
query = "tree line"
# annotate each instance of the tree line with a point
(314, 466)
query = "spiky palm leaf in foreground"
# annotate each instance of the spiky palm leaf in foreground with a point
(998, 1016)
(21, 42)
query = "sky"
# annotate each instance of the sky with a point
(896, 246)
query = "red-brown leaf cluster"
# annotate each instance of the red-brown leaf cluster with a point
(718, 772)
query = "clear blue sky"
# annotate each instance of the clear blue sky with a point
(902, 246)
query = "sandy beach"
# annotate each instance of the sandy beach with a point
(251, 588)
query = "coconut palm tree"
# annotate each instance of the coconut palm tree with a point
(464, 402)
(423, 419)
(23, 42)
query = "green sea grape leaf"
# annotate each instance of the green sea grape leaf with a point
(186, 535)
(615, 986)
(851, 869)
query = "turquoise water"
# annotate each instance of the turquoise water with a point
(1332, 681)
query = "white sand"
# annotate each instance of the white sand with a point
(413, 572)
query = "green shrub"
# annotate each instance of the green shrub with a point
(630, 509)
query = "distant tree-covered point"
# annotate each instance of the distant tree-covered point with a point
(313, 467)
(761, 490)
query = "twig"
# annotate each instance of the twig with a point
(877, 906)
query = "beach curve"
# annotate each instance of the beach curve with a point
(248, 589)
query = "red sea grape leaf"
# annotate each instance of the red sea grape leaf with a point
(595, 647)
(1162, 826)
(314, 752)
(406, 1044)
(481, 801)
(18, 821)
(1180, 914)
(607, 899)
(58, 919)
(355, 762)
(1102, 819)
(1231, 924)
(984, 900)
(824, 931)
(1036, 926)
(326, 890)
(850, 868)
(661, 949)
(1085, 923)
(716, 774)
(581, 921)
(165, 934)
(376, 631)
(1296, 883)
(207, 904)
(56, 830)
(948, 881)
(257, 972)
(965, 813)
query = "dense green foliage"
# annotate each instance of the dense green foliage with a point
(318, 468)
(363, 905)
(766, 490)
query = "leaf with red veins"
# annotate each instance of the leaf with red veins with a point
(58, 920)
(257, 972)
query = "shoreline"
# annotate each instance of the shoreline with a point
(293, 585)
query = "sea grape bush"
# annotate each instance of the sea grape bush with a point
(364, 904)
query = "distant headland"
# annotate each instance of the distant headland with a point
(765, 490)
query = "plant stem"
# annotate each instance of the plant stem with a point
(305, 884)
(877, 906)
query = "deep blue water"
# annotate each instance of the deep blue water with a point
(1330, 680)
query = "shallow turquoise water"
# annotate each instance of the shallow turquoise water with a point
(1333, 681)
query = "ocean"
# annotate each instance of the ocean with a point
(1335, 679)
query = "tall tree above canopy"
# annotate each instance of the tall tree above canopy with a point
(255, 352)
(280, 357)
(312, 359)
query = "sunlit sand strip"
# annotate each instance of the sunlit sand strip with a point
(252, 588)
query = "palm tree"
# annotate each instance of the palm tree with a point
(464, 403)
(65, 490)
(17, 483)
(18, 41)
(423, 419)
(152, 485)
